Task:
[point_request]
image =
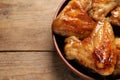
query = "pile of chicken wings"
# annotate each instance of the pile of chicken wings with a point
(90, 39)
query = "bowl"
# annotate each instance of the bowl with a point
(79, 70)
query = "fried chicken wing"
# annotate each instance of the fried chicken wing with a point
(97, 52)
(74, 20)
(100, 8)
(115, 16)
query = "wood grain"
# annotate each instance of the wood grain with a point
(26, 24)
(32, 66)
(26, 47)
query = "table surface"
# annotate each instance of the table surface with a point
(26, 48)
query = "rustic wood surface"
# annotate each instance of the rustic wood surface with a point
(26, 47)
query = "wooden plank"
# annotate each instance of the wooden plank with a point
(33, 66)
(26, 24)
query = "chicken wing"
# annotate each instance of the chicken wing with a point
(74, 20)
(115, 16)
(100, 8)
(97, 52)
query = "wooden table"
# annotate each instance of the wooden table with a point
(26, 48)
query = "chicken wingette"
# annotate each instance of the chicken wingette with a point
(97, 52)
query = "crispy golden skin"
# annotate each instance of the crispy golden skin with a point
(115, 16)
(74, 20)
(97, 52)
(100, 8)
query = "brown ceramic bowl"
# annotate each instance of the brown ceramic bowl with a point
(76, 68)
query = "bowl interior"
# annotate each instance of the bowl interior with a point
(77, 68)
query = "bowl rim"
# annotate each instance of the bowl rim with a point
(74, 70)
